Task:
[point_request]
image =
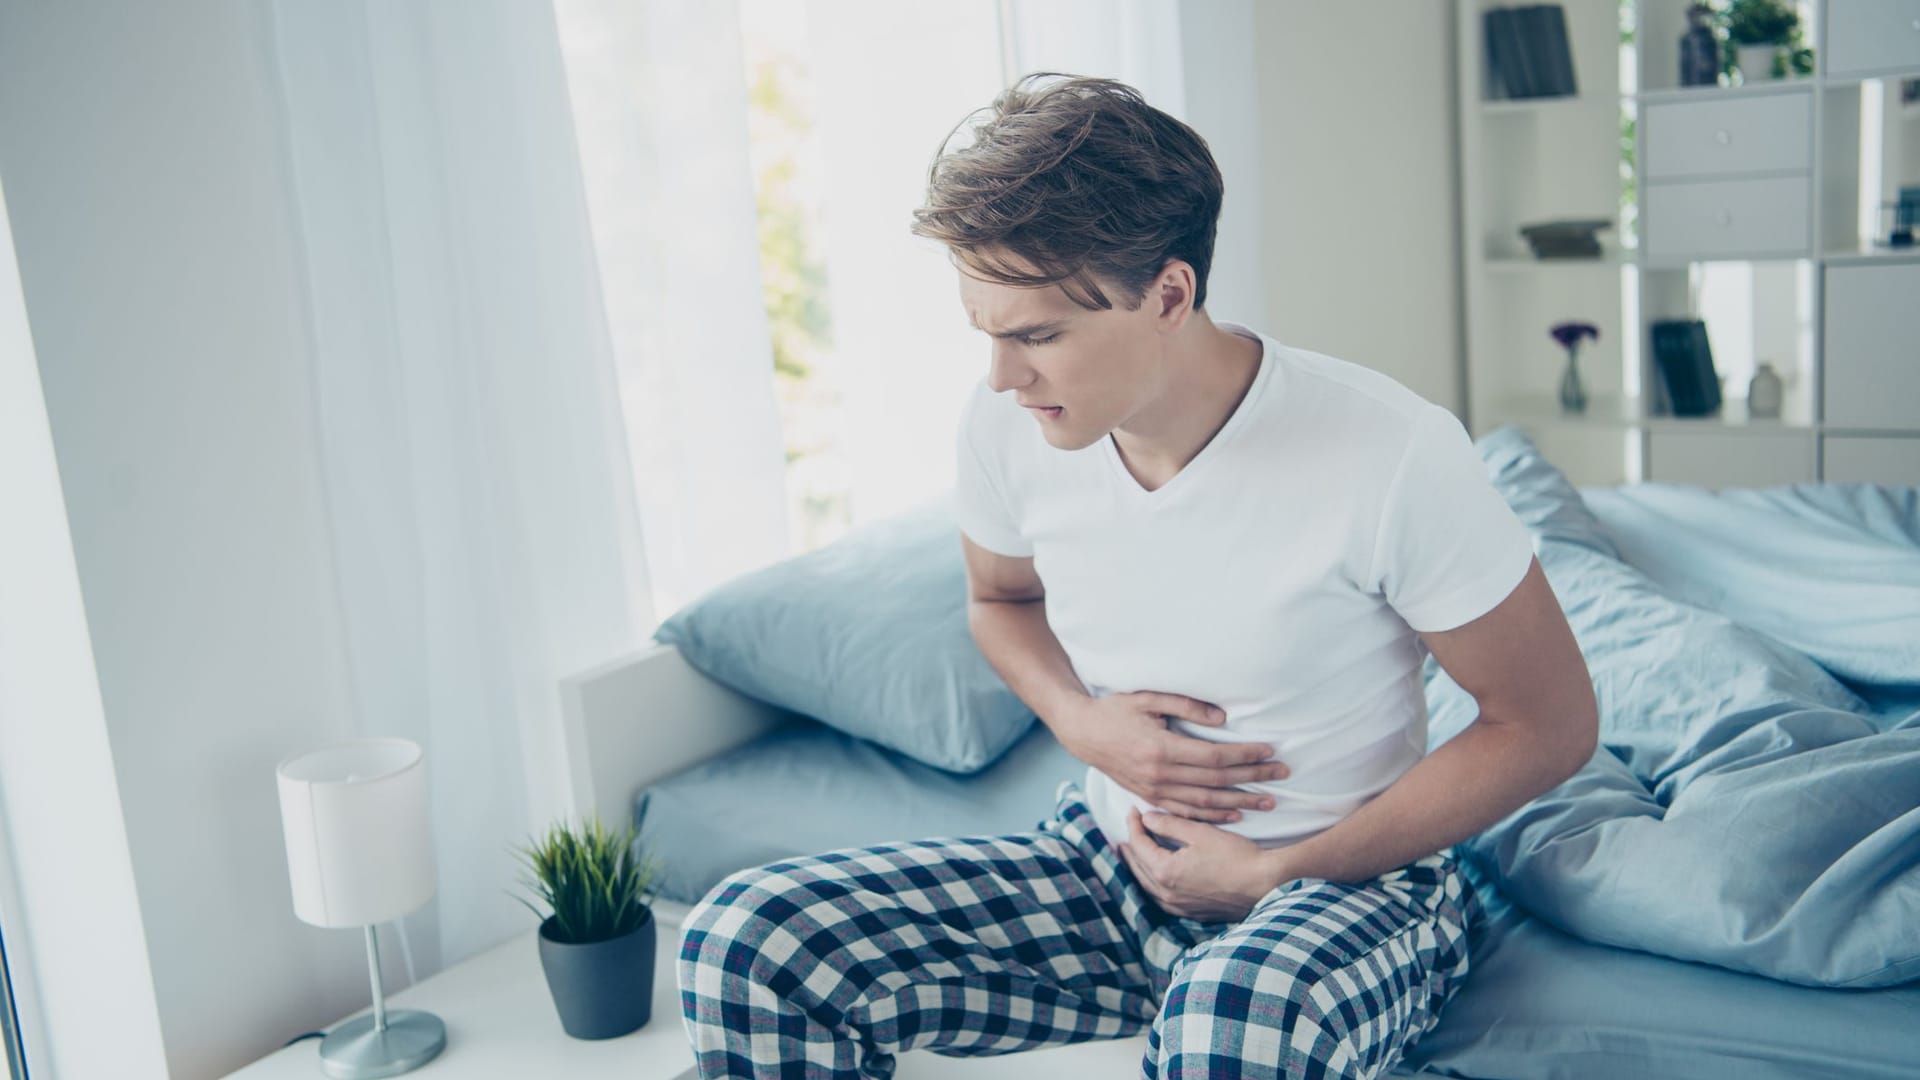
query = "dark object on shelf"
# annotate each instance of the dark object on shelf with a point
(1685, 363)
(1699, 49)
(1528, 54)
(1573, 395)
(1898, 220)
(1565, 239)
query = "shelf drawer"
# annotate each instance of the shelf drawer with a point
(1770, 133)
(1872, 35)
(1730, 458)
(1871, 363)
(1728, 219)
(1853, 460)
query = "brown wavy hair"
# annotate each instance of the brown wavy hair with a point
(1084, 182)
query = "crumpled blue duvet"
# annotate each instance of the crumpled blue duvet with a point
(1755, 800)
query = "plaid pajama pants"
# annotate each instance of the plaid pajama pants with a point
(826, 966)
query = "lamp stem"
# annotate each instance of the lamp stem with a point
(373, 969)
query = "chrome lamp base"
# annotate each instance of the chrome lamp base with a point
(384, 1043)
(355, 1051)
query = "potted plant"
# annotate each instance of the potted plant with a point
(1757, 32)
(597, 945)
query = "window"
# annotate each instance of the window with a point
(873, 356)
(786, 173)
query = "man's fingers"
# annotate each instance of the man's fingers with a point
(1192, 751)
(1144, 848)
(1230, 776)
(1185, 708)
(1199, 813)
(1173, 827)
(1213, 798)
(1141, 872)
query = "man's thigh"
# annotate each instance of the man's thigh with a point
(980, 944)
(1324, 978)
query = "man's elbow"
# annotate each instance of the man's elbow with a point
(1583, 734)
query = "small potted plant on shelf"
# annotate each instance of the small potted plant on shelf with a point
(597, 945)
(1763, 40)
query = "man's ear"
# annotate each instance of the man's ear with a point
(1173, 291)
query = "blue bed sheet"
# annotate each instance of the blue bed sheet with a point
(1746, 807)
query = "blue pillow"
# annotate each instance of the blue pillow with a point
(867, 634)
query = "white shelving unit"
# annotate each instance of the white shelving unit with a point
(1741, 205)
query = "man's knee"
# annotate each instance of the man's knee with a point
(731, 925)
(1269, 1013)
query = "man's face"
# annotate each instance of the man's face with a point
(1079, 373)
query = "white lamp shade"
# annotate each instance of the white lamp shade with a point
(359, 842)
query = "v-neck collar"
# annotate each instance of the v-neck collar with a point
(1248, 401)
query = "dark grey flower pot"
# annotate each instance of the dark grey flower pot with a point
(603, 989)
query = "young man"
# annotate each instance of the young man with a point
(1212, 564)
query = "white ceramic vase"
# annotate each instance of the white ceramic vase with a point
(1765, 393)
(1755, 61)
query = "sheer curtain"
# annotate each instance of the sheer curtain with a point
(660, 110)
(479, 411)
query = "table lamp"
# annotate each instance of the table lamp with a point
(359, 853)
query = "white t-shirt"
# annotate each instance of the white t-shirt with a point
(1280, 575)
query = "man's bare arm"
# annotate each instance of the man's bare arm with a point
(1006, 611)
(1538, 725)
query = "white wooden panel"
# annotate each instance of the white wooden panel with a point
(1852, 459)
(1769, 133)
(1586, 455)
(1872, 35)
(1728, 219)
(1871, 365)
(1730, 459)
(635, 720)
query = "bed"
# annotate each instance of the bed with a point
(1670, 911)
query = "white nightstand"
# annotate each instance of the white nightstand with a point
(501, 1023)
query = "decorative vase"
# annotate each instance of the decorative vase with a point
(1764, 393)
(1756, 62)
(1699, 49)
(602, 989)
(1573, 396)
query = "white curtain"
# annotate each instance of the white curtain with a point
(478, 404)
(660, 109)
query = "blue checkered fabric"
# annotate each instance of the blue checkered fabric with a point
(827, 966)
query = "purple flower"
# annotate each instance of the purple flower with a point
(1570, 334)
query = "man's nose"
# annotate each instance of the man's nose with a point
(1007, 371)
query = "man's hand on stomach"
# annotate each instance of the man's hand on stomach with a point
(1128, 737)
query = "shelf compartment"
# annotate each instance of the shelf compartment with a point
(1710, 220)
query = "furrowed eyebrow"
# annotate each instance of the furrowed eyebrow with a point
(1021, 331)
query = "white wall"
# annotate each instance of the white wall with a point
(1357, 167)
(77, 952)
(152, 223)
(1222, 75)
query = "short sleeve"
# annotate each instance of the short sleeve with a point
(979, 495)
(1448, 548)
